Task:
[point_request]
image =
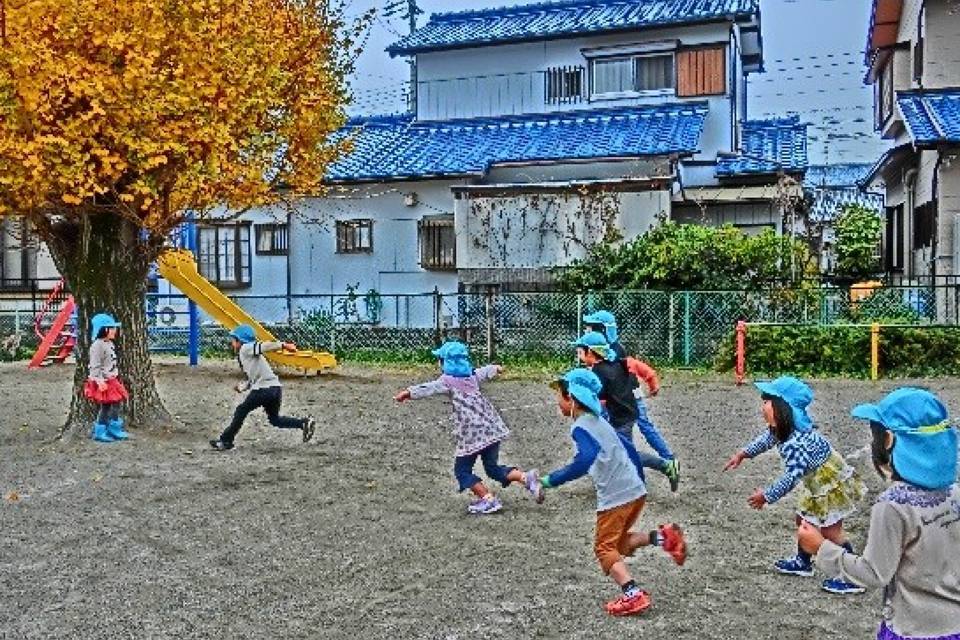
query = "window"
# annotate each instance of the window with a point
(884, 94)
(354, 236)
(438, 243)
(563, 85)
(702, 71)
(223, 254)
(894, 239)
(924, 225)
(271, 239)
(632, 74)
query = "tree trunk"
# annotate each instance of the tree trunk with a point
(105, 259)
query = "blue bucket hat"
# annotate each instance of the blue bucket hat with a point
(456, 359)
(795, 393)
(925, 445)
(584, 385)
(595, 342)
(244, 333)
(607, 319)
(102, 321)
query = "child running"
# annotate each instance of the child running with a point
(612, 462)
(478, 427)
(914, 538)
(830, 487)
(103, 384)
(263, 385)
(605, 323)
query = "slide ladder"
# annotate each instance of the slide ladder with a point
(179, 268)
(57, 336)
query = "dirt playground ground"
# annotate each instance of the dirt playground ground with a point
(360, 534)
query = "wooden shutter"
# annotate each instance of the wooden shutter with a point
(702, 71)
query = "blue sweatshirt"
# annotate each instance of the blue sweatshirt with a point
(609, 458)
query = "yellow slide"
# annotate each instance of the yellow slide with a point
(179, 268)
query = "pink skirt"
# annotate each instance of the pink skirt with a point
(115, 391)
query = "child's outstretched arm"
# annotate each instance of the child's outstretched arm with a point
(488, 372)
(880, 559)
(797, 463)
(763, 442)
(424, 390)
(587, 450)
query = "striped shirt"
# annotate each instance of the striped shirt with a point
(802, 453)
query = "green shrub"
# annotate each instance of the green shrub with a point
(840, 350)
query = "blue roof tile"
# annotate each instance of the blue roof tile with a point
(543, 20)
(767, 147)
(400, 147)
(836, 175)
(932, 116)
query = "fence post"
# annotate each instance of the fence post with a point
(874, 351)
(741, 366)
(579, 314)
(437, 312)
(687, 333)
(488, 308)
(671, 333)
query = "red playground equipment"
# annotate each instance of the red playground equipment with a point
(54, 325)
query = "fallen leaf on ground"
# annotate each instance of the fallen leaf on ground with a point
(12, 496)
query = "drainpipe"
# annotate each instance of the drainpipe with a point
(935, 198)
(909, 181)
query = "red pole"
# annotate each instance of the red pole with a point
(741, 366)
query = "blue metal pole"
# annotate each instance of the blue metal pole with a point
(193, 348)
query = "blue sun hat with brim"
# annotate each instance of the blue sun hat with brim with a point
(102, 321)
(595, 342)
(605, 318)
(795, 393)
(244, 333)
(456, 359)
(925, 445)
(584, 385)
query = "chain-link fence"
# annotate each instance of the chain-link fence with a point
(682, 328)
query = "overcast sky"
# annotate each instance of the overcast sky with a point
(814, 61)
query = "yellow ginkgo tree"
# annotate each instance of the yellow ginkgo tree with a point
(118, 117)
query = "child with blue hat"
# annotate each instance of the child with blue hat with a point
(913, 546)
(612, 462)
(263, 385)
(478, 428)
(103, 385)
(829, 488)
(605, 323)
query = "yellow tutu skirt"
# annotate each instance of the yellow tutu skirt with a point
(830, 493)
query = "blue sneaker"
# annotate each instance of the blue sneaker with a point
(841, 587)
(795, 566)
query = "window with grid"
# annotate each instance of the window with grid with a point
(223, 254)
(884, 95)
(563, 85)
(354, 236)
(271, 239)
(632, 74)
(438, 243)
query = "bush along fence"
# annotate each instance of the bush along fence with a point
(807, 329)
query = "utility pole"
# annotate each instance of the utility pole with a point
(412, 11)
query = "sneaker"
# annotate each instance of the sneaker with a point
(841, 587)
(672, 470)
(309, 426)
(795, 566)
(673, 542)
(624, 606)
(220, 445)
(534, 486)
(486, 505)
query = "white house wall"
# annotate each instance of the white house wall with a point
(942, 44)
(948, 213)
(507, 79)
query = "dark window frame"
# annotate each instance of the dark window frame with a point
(241, 248)
(433, 233)
(885, 94)
(563, 85)
(893, 255)
(349, 236)
(924, 225)
(279, 238)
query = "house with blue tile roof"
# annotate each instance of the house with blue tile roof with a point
(911, 56)
(539, 130)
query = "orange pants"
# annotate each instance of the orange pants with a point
(611, 540)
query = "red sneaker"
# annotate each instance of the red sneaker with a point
(624, 606)
(673, 542)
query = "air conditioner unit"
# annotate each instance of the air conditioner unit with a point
(168, 312)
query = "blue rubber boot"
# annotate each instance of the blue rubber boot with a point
(100, 433)
(115, 429)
